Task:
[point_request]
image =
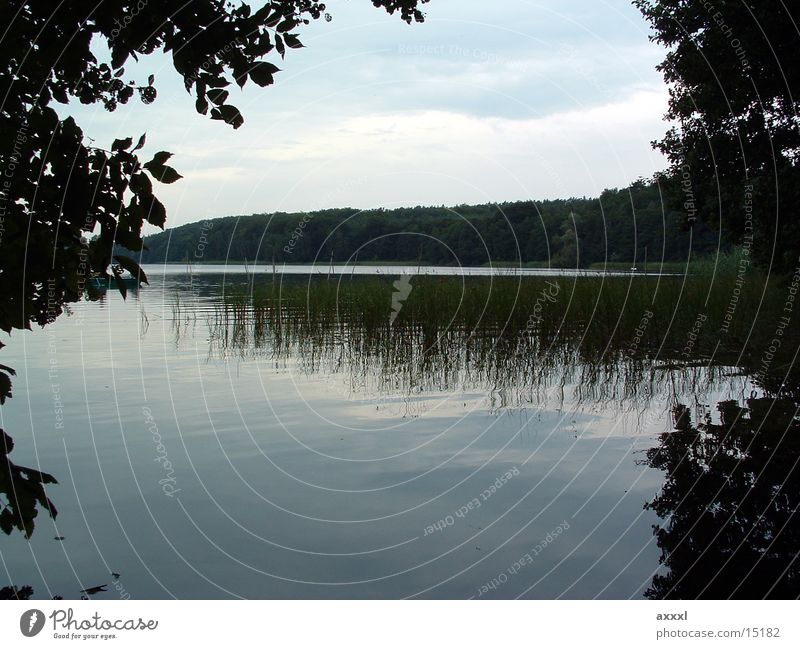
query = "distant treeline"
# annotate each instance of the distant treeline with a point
(575, 232)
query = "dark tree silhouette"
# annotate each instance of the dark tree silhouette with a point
(730, 500)
(615, 227)
(12, 592)
(734, 74)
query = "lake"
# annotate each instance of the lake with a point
(331, 440)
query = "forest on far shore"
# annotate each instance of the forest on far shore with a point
(617, 227)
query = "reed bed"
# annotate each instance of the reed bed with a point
(610, 336)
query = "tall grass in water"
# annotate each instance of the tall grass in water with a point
(613, 334)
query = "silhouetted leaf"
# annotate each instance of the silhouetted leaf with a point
(217, 96)
(156, 213)
(122, 145)
(262, 72)
(167, 175)
(287, 25)
(159, 170)
(231, 115)
(160, 158)
(5, 387)
(132, 267)
(292, 41)
(140, 184)
(140, 143)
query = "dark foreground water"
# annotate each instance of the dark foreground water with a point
(197, 464)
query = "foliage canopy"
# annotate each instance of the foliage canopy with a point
(733, 68)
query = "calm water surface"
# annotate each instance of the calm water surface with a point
(197, 468)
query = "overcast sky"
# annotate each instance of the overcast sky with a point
(487, 101)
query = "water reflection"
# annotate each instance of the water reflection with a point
(729, 489)
(729, 503)
(23, 492)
